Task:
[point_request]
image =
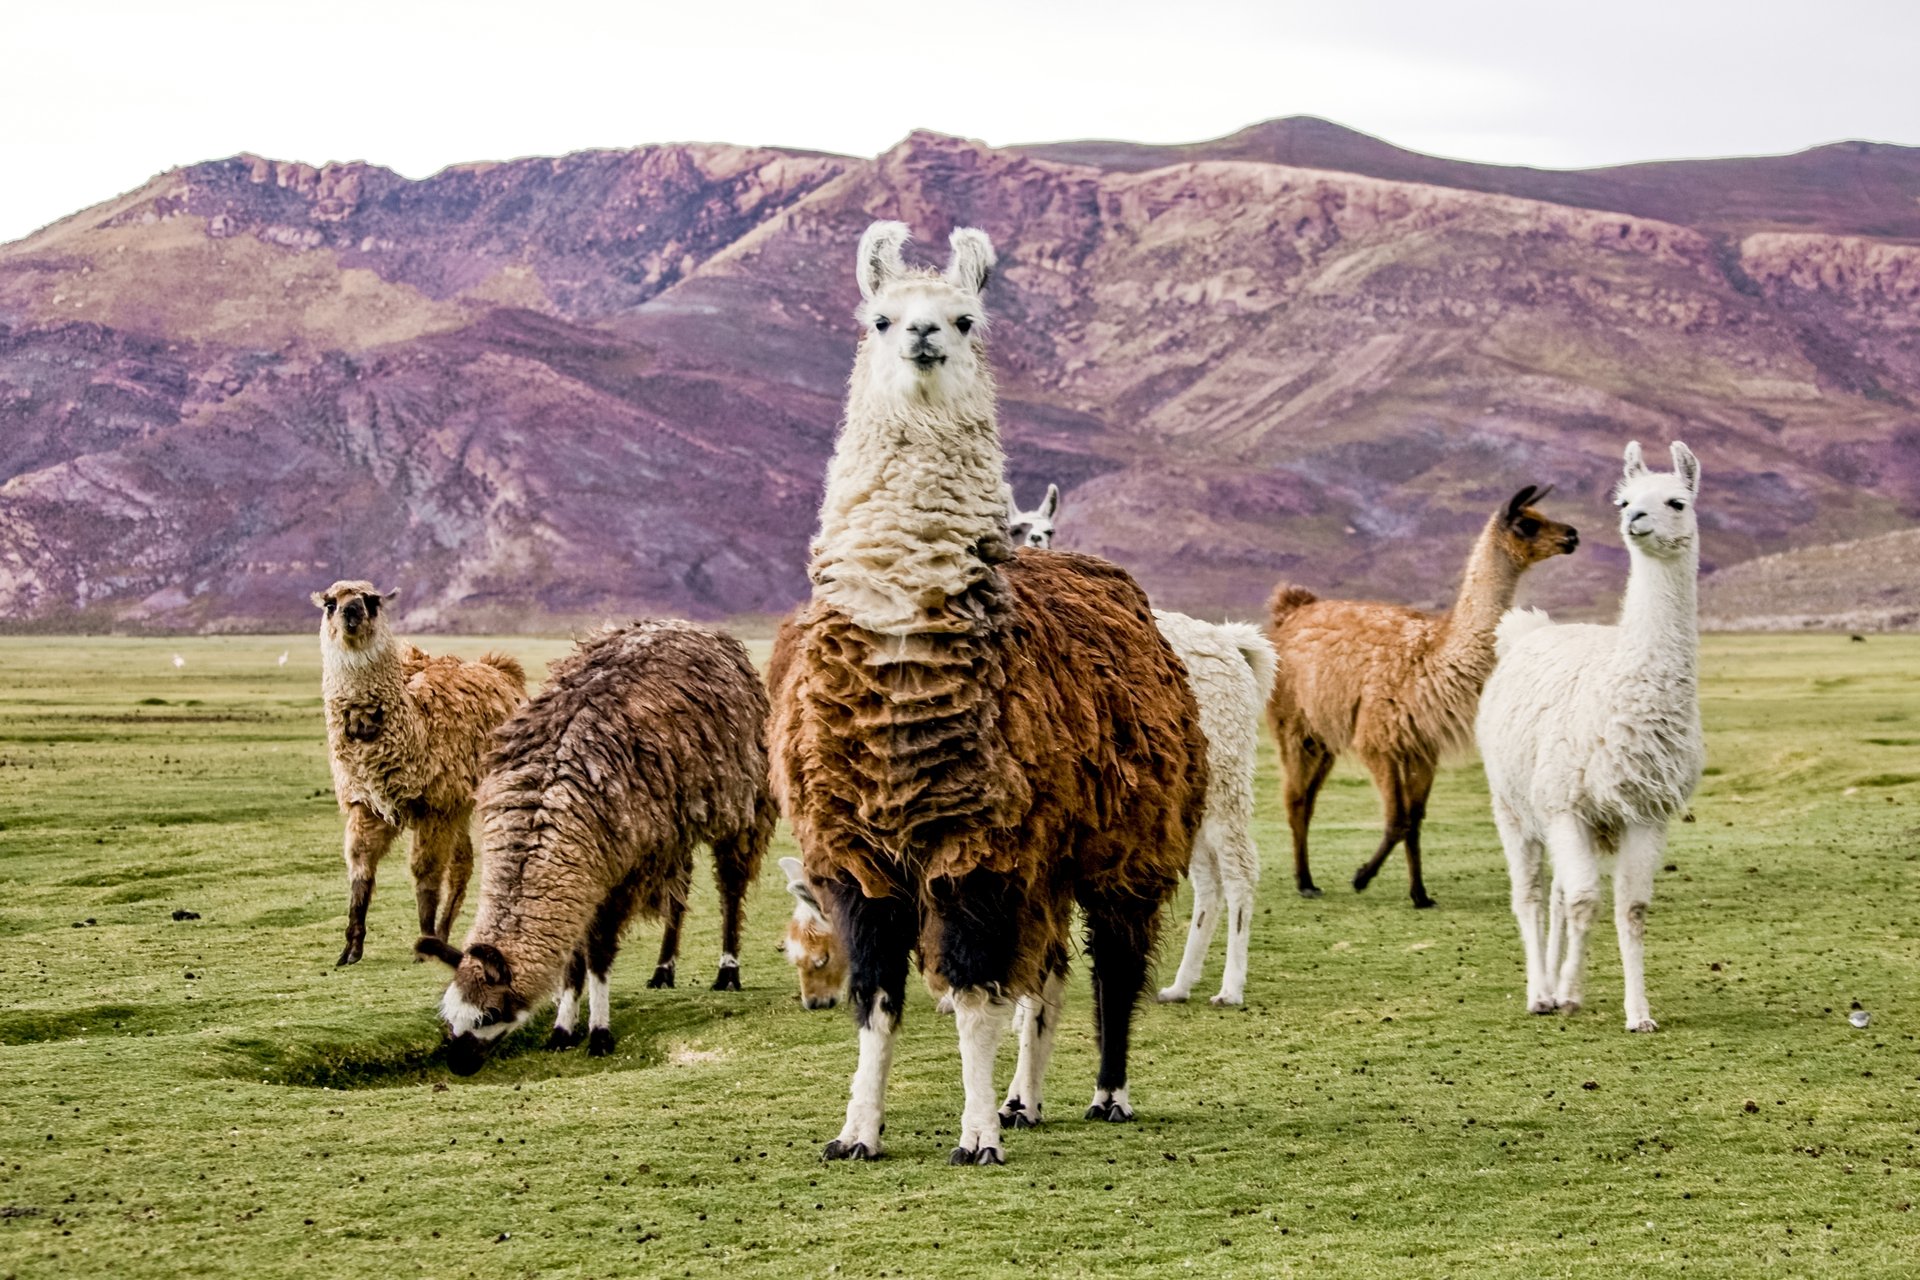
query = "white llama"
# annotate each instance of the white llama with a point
(1591, 737)
(1033, 528)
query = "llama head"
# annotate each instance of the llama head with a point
(811, 946)
(1656, 507)
(925, 330)
(1033, 528)
(353, 620)
(1527, 536)
(480, 1005)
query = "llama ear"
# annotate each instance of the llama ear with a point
(319, 599)
(1052, 505)
(386, 596)
(1686, 466)
(432, 948)
(880, 260)
(493, 965)
(1518, 501)
(971, 265)
(798, 885)
(1636, 465)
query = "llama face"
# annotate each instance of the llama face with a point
(811, 946)
(1033, 528)
(1656, 507)
(480, 1006)
(352, 613)
(1531, 537)
(924, 332)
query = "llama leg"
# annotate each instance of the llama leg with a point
(1307, 766)
(1203, 871)
(603, 944)
(434, 836)
(1240, 871)
(1556, 929)
(736, 861)
(670, 935)
(1525, 873)
(1039, 1028)
(1576, 874)
(459, 873)
(1640, 852)
(1393, 802)
(879, 933)
(971, 942)
(368, 837)
(1417, 781)
(566, 1009)
(981, 1016)
(1120, 937)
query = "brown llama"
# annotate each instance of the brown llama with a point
(1397, 686)
(648, 739)
(968, 742)
(406, 734)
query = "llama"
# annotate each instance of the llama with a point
(1230, 668)
(966, 740)
(1395, 685)
(1591, 738)
(648, 739)
(1034, 528)
(406, 734)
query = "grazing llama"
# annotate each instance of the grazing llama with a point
(965, 741)
(1591, 737)
(1230, 668)
(1395, 685)
(1034, 528)
(647, 739)
(406, 734)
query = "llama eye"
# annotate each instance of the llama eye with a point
(1527, 526)
(964, 324)
(1676, 504)
(1620, 503)
(331, 606)
(881, 324)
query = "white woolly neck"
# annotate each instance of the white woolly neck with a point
(342, 667)
(915, 491)
(1659, 615)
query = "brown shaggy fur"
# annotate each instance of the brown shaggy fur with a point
(406, 734)
(1397, 686)
(647, 740)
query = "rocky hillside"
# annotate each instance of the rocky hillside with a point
(1869, 584)
(554, 389)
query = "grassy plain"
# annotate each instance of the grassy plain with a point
(211, 1097)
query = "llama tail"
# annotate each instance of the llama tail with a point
(507, 665)
(1285, 599)
(1256, 649)
(1517, 623)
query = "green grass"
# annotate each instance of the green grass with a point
(212, 1097)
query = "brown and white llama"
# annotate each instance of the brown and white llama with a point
(647, 739)
(966, 741)
(406, 734)
(1396, 686)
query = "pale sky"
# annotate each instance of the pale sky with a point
(99, 95)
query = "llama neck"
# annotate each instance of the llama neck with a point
(915, 512)
(1486, 593)
(1659, 618)
(374, 672)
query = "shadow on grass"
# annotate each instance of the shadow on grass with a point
(406, 1058)
(35, 1026)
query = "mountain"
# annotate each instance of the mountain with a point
(551, 390)
(1868, 584)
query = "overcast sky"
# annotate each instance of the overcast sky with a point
(96, 96)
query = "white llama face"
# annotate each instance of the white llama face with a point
(1657, 507)
(924, 339)
(1034, 528)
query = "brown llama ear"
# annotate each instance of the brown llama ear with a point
(493, 965)
(1520, 500)
(387, 595)
(319, 599)
(432, 948)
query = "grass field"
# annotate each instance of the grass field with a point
(211, 1097)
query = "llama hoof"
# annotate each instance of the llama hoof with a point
(945, 1006)
(1111, 1112)
(1423, 902)
(564, 1038)
(350, 956)
(728, 979)
(1567, 1004)
(1361, 879)
(1016, 1115)
(1224, 1001)
(1171, 995)
(838, 1150)
(1544, 1004)
(600, 1042)
(1308, 891)
(985, 1155)
(1645, 1024)
(662, 977)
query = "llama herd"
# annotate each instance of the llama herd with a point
(972, 735)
